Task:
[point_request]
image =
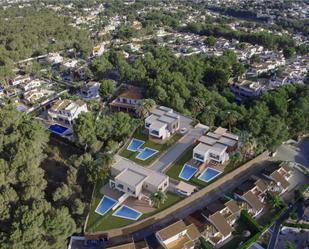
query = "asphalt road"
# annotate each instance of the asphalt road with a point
(276, 227)
(179, 147)
(199, 203)
(295, 153)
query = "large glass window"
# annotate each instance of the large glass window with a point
(198, 156)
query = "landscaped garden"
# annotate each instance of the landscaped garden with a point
(98, 222)
(177, 168)
(152, 150)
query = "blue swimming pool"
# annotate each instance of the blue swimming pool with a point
(105, 205)
(187, 172)
(209, 174)
(127, 213)
(135, 144)
(146, 153)
(20, 108)
(56, 128)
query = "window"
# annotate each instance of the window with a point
(155, 132)
(120, 186)
(198, 156)
(147, 125)
(214, 156)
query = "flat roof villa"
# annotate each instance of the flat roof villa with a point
(135, 180)
(66, 111)
(162, 122)
(90, 90)
(178, 236)
(127, 100)
(214, 146)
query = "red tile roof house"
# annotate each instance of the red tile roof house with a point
(220, 216)
(252, 193)
(279, 175)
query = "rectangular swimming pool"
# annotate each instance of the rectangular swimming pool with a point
(135, 144)
(187, 172)
(208, 174)
(106, 204)
(57, 128)
(127, 213)
(146, 153)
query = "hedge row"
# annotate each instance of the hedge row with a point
(250, 221)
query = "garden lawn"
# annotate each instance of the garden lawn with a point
(176, 168)
(98, 222)
(159, 147)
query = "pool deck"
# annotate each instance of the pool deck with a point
(106, 190)
(140, 205)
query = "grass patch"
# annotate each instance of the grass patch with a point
(175, 170)
(139, 134)
(97, 222)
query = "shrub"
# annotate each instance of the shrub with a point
(250, 221)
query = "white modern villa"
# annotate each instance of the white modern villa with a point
(66, 110)
(215, 146)
(162, 122)
(136, 181)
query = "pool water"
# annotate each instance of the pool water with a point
(56, 128)
(135, 144)
(146, 153)
(209, 174)
(127, 213)
(106, 204)
(187, 172)
(21, 108)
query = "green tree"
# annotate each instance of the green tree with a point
(275, 201)
(158, 198)
(107, 88)
(85, 131)
(289, 245)
(100, 66)
(289, 52)
(78, 207)
(144, 106)
(210, 41)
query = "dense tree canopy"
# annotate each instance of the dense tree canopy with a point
(28, 32)
(28, 220)
(197, 85)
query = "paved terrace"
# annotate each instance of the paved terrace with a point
(143, 228)
(175, 151)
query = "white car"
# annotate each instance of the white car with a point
(183, 130)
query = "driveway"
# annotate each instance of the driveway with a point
(180, 146)
(295, 153)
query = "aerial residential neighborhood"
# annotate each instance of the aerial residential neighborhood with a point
(149, 124)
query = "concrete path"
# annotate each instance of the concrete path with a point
(177, 149)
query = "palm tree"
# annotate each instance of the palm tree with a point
(158, 198)
(275, 201)
(230, 117)
(144, 106)
(247, 143)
